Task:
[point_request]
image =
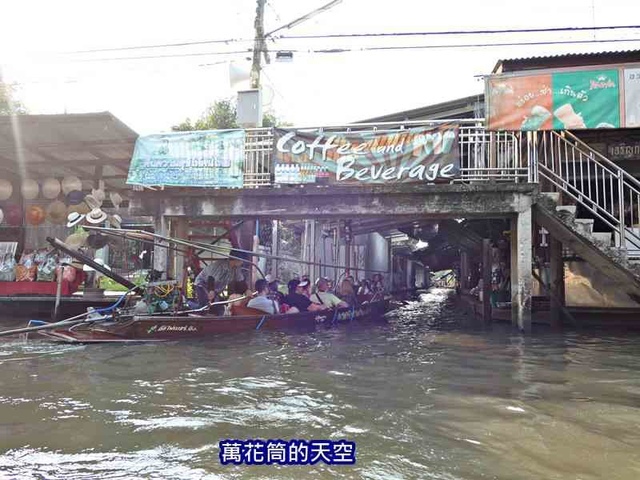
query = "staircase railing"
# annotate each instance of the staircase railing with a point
(593, 181)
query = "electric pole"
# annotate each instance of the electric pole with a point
(258, 44)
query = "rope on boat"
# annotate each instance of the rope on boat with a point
(262, 320)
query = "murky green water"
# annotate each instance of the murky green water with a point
(421, 397)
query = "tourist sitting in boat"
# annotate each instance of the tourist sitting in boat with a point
(376, 284)
(346, 292)
(262, 301)
(322, 296)
(274, 292)
(297, 300)
(240, 293)
(365, 288)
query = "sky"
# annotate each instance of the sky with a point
(44, 44)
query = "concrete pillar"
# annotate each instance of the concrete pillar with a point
(521, 273)
(486, 280)
(464, 270)
(180, 227)
(556, 282)
(275, 243)
(160, 254)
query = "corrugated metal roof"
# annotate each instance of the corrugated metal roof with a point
(89, 145)
(571, 58)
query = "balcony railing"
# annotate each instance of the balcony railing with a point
(484, 156)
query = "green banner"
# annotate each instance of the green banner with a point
(208, 158)
(586, 99)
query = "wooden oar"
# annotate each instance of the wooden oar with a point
(50, 326)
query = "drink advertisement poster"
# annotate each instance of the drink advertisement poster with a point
(573, 100)
(422, 154)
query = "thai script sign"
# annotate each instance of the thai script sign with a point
(624, 151)
(208, 158)
(422, 154)
(570, 100)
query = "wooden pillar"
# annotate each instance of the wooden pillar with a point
(160, 254)
(521, 272)
(556, 282)
(180, 227)
(486, 280)
(313, 270)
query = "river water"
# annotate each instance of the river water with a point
(421, 396)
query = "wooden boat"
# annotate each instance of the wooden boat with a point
(158, 328)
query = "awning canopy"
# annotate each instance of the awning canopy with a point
(91, 146)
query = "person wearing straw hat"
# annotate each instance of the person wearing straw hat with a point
(96, 216)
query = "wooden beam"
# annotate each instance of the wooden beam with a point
(486, 280)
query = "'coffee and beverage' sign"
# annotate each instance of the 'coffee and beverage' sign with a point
(422, 154)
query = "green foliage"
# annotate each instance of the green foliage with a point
(8, 104)
(221, 116)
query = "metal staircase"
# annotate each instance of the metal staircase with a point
(607, 192)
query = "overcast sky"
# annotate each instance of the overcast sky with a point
(150, 95)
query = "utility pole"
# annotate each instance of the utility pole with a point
(258, 44)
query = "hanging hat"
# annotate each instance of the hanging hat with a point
(70, 184)
(74, 218)
(98, 193)
(115, 221)
(92, 202)
(6, 189)
(97, 241)
(96, 216)
(35, 214)
(76, 240)
(57, 212)
(13, 215)
(1, 216)
(116, 199)
(81, 208)
(75, 197)
(30, 189)
(50, 188)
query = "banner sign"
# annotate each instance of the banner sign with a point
(571, 100)
(632, 97)
(422, 154)
(208, 158)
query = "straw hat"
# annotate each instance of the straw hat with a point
(1, 216)
(70, 184)
(56, 212)
(13, 215)
(81, 208)
(76, 240)
(35, 214)
(51, 188)
(6, 189)
(116, 199)
(96, 216)
(115, 221)
(30, 189)
(98, 194)
(74, 218)
(75, 197)
(92, 202)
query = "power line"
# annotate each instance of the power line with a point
(370, 49)
(365, 35)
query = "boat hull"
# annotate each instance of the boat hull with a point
(166, 328)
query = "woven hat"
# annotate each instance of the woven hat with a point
(116, 199)
(1, 216)
(75, 197)
(35, 214)
(6, 189)
(30, 189)
(13, 215)
(92, 202)
(56, 212)
(51, 188)
(115, 221)
(74, 218)
(70, 184)
(81, 208)
(96, 216)
(76, 240)
(98, 194)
